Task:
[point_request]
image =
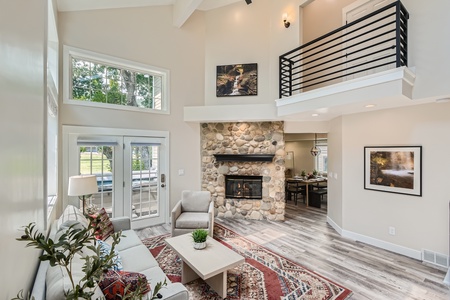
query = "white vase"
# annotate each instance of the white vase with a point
(199, 246)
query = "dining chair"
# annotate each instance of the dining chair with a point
(294, 188)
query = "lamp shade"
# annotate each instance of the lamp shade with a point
(81, 185)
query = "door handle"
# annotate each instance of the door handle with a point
(163, 185)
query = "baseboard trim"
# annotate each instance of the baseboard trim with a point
(376, 242)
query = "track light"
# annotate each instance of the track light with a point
(248, 2)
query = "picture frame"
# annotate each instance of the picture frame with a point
(393, 169)
(237, 80)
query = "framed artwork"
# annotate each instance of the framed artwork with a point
(394, 169)
(237, 80)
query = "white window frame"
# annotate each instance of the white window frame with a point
(69, 52)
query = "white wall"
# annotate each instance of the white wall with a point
(22, 109)
(420, 222)
(334, 196)
(146, 35)
(255, 33)
(428, 26)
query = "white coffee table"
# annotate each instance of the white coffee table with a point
(210, 264)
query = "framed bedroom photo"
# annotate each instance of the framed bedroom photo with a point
(237, 80)
(394, 169)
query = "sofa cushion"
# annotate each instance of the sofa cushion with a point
(192, 220)
(57, 280)
(72, 213)
(75, 225)
(128, 239)
(154, 275)
(137, 258)
(114, 283)
(195, 201)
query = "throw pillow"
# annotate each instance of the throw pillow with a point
(72, 213)
(102, 224)
(105, 249)
(114, 283)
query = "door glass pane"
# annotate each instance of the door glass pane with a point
(144, 178)
(98, 160)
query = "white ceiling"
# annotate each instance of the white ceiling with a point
(183, 9)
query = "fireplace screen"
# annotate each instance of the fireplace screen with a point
(243, 187)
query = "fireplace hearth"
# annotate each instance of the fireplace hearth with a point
(243, 187)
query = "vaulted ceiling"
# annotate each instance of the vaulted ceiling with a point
(183, 9)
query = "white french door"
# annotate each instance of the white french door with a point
(144, 184)
(130, 171)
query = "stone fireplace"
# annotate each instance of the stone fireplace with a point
(244, 151)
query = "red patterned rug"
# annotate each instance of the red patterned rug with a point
(264, 275)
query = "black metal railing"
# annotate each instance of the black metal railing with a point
(373, 43)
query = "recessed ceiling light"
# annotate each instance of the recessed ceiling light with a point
(315, 115)
(370, 105)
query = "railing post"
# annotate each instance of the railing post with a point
(398, 45)
(280, 83)
(290, 77)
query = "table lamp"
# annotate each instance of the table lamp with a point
(82, 186)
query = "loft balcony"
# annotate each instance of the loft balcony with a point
(363, 62)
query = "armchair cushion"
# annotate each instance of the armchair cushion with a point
(195, 201)
(192, 220)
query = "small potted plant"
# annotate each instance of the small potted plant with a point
(315, 173)
(199, 236)
(303, 174)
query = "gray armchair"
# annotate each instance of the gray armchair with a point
(194, 210)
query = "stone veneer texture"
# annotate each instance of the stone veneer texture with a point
(245, 138)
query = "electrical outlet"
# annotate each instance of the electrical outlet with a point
(392, 230)
(181, 172)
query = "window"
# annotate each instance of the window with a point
(99, 80)
(322, 159)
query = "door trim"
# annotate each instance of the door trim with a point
(69, 130)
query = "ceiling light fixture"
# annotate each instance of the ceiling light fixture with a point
(248, 2)
(315, 115)
(314, 150)
(370, 105)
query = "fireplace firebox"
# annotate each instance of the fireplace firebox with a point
(243, 187)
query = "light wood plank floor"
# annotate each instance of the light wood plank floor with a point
(370, 272)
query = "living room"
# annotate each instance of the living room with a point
(237, 33)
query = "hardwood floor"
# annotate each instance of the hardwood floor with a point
(370, 272)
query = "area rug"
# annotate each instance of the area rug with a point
(264, 275)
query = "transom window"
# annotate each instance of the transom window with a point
(100, 80)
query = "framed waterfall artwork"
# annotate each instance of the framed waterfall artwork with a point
(237, 80)
(394, 169)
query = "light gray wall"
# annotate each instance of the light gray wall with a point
(240, 33)
(420, 222)
(22, 109)
(146, 35)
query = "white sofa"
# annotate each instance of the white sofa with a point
(135, 257)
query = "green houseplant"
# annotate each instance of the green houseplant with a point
(61, 251)
(199, 237)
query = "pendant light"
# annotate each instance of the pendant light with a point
(314, 150)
